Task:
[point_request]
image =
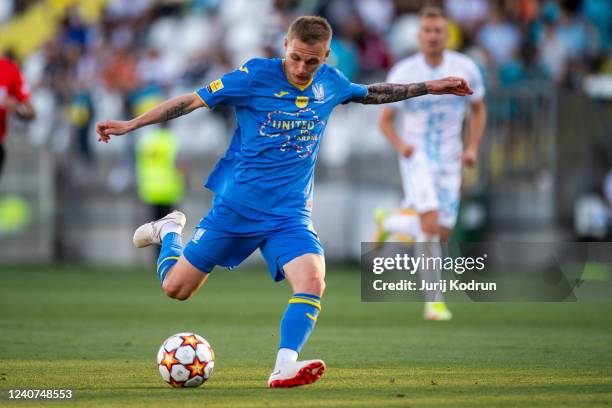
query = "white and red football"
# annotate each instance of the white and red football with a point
(185, 360)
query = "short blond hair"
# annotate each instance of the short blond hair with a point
(432, 12)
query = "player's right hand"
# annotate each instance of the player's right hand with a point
(107, 128)
(406, 150)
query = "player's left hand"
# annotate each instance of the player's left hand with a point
(449, 85)
(469, 157)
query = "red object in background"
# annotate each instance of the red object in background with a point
(120, 74)
(374, 54)
(12, 84)
(528, 10)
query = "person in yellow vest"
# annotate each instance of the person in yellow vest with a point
(161, 182)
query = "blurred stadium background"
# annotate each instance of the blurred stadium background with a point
(546, 164)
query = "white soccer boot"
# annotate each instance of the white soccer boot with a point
(297, 373)
(150, 233)
(437, 311)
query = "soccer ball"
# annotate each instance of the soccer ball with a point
(185, 360)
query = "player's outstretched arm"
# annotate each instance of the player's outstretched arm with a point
(388, 93)
(168, 110)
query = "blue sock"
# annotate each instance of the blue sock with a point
(171, 250)
(299, 320)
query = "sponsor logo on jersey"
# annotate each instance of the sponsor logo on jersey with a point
(215, 86)
(301, 101)
(244, 69)
(297, 132)
(281, 94)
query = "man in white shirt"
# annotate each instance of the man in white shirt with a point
(430, 146)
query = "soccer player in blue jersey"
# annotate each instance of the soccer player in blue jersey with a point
(264, 183)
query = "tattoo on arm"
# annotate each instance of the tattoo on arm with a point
(387, 93)
(176, 111)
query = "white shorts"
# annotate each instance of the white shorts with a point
(432, 187)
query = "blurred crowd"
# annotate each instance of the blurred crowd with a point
(136, 53)
(142, 50)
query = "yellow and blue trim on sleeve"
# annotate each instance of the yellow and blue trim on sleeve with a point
(203, 101)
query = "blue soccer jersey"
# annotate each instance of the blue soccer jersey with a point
(269, 165)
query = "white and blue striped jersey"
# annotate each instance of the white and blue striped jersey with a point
(432, 123)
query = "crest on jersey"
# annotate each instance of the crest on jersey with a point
(301, 101)
(319, 92)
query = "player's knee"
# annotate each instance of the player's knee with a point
(182, 295)
(170, 290)
(319, 286)
(175, 291)
(315, 285)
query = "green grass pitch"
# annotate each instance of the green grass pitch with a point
(97, 331)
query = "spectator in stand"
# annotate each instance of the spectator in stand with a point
(599, 13)
(553, 54)
(500, 39)
(377, 15)
(470, 15)
(374, 56)
(120, 75)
